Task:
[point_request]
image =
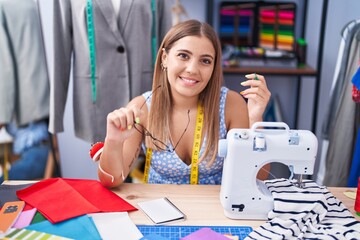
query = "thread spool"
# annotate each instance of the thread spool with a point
(357, 200)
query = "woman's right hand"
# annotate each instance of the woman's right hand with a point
(120, 123)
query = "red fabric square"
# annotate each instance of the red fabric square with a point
(59, 199)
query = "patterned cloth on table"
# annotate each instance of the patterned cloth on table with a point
(311, 212)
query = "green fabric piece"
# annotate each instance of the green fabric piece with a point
(38, 218)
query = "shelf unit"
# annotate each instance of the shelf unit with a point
(298, 73)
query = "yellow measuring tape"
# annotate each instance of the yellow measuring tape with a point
(194, 172)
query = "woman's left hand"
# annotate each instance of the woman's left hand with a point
(258, 96)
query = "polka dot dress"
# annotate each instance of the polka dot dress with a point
(167, 167)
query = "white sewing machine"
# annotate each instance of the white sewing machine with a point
(246, 151)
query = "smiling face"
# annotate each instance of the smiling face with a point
(190, 64)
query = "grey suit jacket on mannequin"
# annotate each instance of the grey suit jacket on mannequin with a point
(24, 82)
(123, 59)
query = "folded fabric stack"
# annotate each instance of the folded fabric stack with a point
(63, 208)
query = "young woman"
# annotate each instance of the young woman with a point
(179, 123)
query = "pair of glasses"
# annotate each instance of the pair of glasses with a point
(160, 145)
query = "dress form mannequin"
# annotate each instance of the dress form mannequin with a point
(179, 13)
(122, 43)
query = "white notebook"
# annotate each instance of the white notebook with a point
(161, 210)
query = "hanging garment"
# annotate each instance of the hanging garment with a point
(123, 59)
(347, 36)
(341, 140)
(355, 93)
(339, 126)
(355, 164)
(342, 135)
(24, 82)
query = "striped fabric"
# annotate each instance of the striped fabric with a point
(25, 234)
(311, 212)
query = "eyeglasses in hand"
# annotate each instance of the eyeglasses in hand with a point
(160, 145)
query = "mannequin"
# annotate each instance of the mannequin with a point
(123, 58)
(179, 13)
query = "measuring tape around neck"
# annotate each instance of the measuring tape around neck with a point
(194, 174)
(194, 171)
(91, 38)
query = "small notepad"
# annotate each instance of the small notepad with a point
(161, 210)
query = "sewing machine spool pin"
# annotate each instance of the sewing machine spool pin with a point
(246, 151)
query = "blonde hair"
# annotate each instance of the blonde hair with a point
(209, 98)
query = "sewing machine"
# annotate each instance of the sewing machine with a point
(246, 151)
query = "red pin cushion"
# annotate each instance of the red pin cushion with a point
(96, 150)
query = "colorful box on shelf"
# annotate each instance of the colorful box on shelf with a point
(270, 25)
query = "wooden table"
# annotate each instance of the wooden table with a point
(200, 203)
